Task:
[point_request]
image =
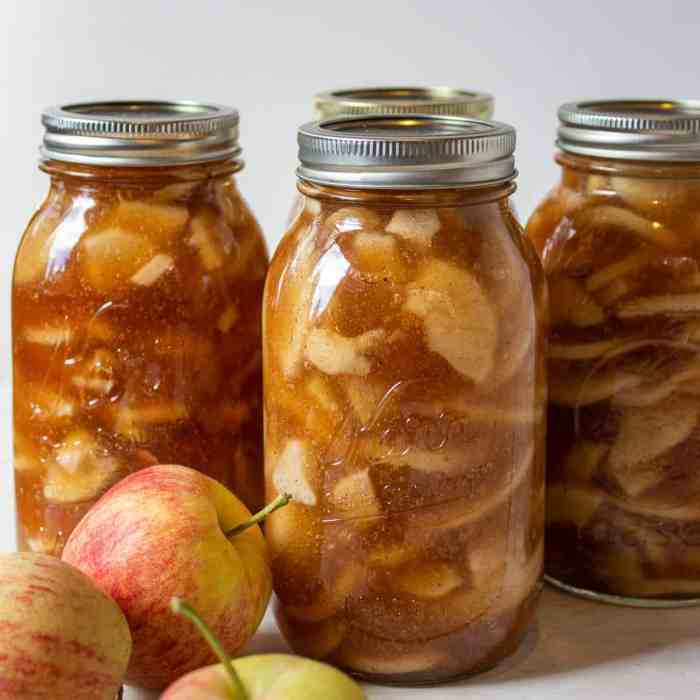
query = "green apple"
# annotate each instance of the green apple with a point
(261, 677)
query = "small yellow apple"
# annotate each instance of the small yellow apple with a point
(261, 677)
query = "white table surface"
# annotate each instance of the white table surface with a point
(575, 650)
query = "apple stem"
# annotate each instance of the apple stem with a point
(271, 507)
(182, 607)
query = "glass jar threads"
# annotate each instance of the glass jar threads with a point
(620, 241)
(403, 362)
(136, 301)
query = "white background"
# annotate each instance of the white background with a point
(268, 59)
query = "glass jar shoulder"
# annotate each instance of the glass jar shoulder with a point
(395, 241)
(602, 206)
(102, 234)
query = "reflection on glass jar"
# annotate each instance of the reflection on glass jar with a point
(404, 397)
(136, 330)
(620, 241)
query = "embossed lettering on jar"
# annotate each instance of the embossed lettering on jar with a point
(136, 301)
(620, 241)
(404, 372)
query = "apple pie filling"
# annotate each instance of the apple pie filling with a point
(620, 244)
(404, 414)
(136, 338)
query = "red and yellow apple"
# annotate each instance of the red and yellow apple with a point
(60, 636)
(166, 531)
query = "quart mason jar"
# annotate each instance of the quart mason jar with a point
(397, 100)
(620, 241)
(136, 311)
(404, 401)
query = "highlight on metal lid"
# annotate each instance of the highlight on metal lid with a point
(140, 133)
(657, 130)
(406, 152)
(403, 100)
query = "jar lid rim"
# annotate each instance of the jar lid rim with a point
(631, 129)
(406, 151)
(404, 99)
(140, 132)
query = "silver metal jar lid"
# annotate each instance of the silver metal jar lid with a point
(140, 133)
(403, 100)
(656, 130)
(406, 152)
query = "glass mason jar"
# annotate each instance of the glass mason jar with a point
(620, 241)
(404, 401)
(397, 100)
(136, 301)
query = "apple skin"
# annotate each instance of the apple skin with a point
(159, 533)
(60, 636)
(267, 677)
